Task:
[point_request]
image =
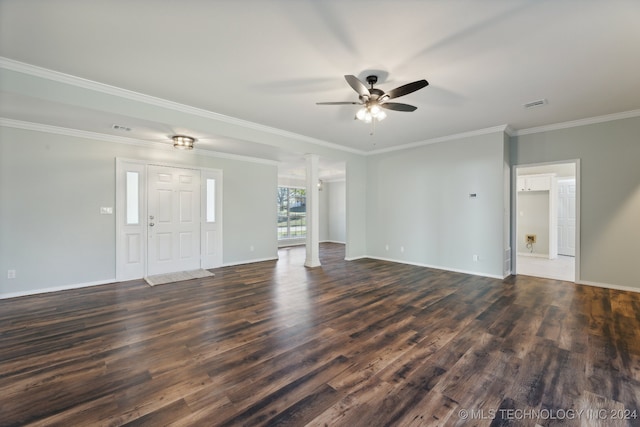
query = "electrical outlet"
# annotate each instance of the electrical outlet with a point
(476, 258)
(11, 274)
(530, 238)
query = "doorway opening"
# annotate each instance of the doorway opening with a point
(546, 220)
(292, 206)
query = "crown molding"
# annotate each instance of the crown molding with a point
(494, 129)
(576, 123)
(69, 79)
(39, 127)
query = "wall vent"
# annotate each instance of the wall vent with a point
(121, 128)
(538, 103)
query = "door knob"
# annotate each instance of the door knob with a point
(151, 224)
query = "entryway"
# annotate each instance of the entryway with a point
(168, 219)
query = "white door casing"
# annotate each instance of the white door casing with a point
(133, 249)
(514, 212)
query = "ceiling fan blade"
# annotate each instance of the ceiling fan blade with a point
(338, 103)
(397, 106)
(358, 86)
(406, 89)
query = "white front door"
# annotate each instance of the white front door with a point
(173, 211)
(567, 217)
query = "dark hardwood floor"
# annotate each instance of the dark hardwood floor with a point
(359, 343)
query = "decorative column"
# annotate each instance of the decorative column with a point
(313, 212)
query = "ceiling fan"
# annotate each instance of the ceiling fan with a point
(374, 100)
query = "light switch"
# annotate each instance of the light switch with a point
(106, 210)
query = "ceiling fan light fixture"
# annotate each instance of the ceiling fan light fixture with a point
(183, 142)
(374, 100)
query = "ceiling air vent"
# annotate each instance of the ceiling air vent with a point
(538, 103)
(121, 128)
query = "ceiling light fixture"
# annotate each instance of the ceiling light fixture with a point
(374, 100)
(183, 142)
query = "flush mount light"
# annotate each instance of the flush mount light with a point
(183, 142)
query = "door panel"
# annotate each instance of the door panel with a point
(130, 216)
(132, 248)
(567, 217)
(211, 218)
(174, 211)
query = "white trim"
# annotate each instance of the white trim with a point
(114, 281)
(579, 122)
(333, 241)
(486, 131)
(69, 79)
(56, 289)
(249, 261)
(38, 127)
(32, 70)
(608, 286)
(436, 267)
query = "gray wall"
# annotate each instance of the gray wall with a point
(418, 200)
(336, 211)
(609, 156)
(52, 187)
(533, 218)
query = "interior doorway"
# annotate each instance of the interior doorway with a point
(546, 225)
(332, 216)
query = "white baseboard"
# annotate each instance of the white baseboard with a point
(474, 273)
(608, 286)
(249, 261)
(56, 289)
(436, 267)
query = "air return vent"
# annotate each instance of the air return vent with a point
(537, 103)
(121, 128)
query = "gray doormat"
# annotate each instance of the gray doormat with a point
(178, 276)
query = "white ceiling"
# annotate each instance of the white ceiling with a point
(269, 62)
